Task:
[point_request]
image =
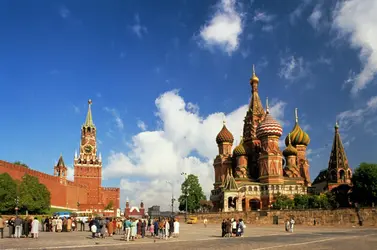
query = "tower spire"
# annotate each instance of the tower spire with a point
(89, 119)
(338, 158)
(267, 107)
(296, 115)
(289, 137)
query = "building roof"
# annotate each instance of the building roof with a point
(224, 135)
(338, 157)
(89, 119)
(290, 150)
(322, 176)
(298, 136)
(60, 162)
(230, 183)
(240, 149)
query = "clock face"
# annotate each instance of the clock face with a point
(88, 149)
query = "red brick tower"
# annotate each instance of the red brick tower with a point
(88, 166)
(254, 116)
(339, 172)
(127, 208)
(142, 209)
(60, 170)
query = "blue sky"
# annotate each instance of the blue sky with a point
(161, 72)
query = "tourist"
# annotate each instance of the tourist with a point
(69, 224)
(143, 227)
(59, 225)
(171, 227)
(127, 227)
(26, 227)
(134, 229)
(242, 226)
(74, 224)
(155, 226)
(205, 221)
(114, 221)
(139, 224)
(292, 223)
(176, 228)
(151, 229)
(119, 226)
(103, 226)
(46, 224)
(228, 228)
(223, 228)
(93, 228)
(110, 227)
(234, 227)
(2, 225)
(18, 227)
(53, 224)
(287, 225)
(167, 229)
(161, 227)
(35, 228)
(11, 227)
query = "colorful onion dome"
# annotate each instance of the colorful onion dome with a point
(298, 136)
(289, 150)
(269, 126)
(224, 136)
(240, 149)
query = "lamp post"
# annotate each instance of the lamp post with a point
(172, 197)
(186, 194)
(16, 208)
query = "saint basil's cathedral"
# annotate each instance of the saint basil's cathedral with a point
(250, 177)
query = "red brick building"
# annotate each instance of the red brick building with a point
(86, 191)
(134, 212)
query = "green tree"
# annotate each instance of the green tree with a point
(21, 164)
(301, 201)
(282, 202)
(8, 194)
(194, 192)
(110, 205)
(34, 196)
(365, 184)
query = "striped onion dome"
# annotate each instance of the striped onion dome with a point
(224, 136)
(289, 150)
(269, 126)
(298, 136)
(239, 150)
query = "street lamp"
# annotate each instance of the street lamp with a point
(172, 197)
(16, 208)
(186, 194)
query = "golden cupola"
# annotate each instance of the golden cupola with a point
(240, 149)
(290, 150)
(254, 78)
(297, 135)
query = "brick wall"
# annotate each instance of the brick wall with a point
(302, 217)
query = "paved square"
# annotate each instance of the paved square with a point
(198, 237)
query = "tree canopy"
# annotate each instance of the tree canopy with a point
(364, 182)
(305, 201)
(8, 193)
(191, 187)
(34, 196)
(21, 164)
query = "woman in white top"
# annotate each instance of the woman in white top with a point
(35, 228)
(176, 228)
(167, 229)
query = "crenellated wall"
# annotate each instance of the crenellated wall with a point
(111, 194)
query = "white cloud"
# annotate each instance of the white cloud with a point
(296, 14)
(315, 17)
(263, 17)
(137, 28)
(292, 68)
(70, 173)
(76, 109)
(64, 12)
(357, 19)
(223, 29)
(267, 28)
(347, 119)
(117, 119)
(184, 142)
(142, 125)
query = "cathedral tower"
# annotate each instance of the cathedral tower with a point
(88, 165)
(60, 170)
(338, 170)
(270, 159)
(223, 160)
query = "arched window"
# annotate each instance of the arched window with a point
(342, 175)
(333, 175)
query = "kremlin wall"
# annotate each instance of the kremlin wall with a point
(85, 193)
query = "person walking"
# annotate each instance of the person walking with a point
(205, 221)
(11, 227)
(35, 228)
(2, 226)
(18, 226)
(292, 223)
(127, 227)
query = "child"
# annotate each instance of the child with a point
(151, 229)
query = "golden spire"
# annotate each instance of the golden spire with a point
(336, 125)
(254, 78)
(267, 107)
(89, 119)
(289, 137)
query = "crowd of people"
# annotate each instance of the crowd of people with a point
(21, 227)
(232, 228)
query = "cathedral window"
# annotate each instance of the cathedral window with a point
(342, 175)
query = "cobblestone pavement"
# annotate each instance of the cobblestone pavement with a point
(198, 237)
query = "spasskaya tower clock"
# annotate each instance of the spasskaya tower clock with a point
(88, 164)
